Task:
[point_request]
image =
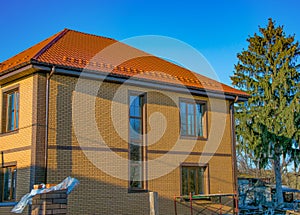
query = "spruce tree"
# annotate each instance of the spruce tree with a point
(267, 125)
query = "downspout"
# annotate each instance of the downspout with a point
(49, 75)
(233, 145)
(2, 159)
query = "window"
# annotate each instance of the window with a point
(192, 119)
(136, 149)
(192, 180)
(8, 183)
(10, 117)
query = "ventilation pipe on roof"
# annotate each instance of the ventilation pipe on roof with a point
(49, 75)
(233, 144)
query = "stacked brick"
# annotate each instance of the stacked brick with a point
(50, 203)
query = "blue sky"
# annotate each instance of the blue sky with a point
(216, 28)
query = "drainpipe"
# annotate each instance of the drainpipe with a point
(233, 144)
(2, 159)
(49, 75)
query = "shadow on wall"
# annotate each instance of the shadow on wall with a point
(94, 196)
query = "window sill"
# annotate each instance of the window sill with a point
(9, 132)
(8, 204)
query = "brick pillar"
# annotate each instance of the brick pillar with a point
(50, 203)
(153, 199)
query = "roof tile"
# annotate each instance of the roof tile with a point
(74, 49)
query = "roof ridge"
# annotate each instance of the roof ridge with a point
(46, 47)
(89, 34)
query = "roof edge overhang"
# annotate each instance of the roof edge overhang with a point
(34, 66)
(140, 82)
(19, 72)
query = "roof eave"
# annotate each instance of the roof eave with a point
(95, 74)
(16, 73)
(15, 68)
(35, 65)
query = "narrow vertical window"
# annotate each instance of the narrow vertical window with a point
(136, 177)
(192, 119)
(10, 114)
(8, 183)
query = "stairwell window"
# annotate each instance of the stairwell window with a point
(8, 183)
(193, 119)
(136, 146)
(10, 110)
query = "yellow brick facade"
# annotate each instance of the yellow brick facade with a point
(16, 146)
(101, 192)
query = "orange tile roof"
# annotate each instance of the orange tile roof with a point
(25, 56)
(77, 50)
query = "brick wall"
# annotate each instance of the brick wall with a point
(101, 193)
(50, 203)
(6, 210)
(16, 146)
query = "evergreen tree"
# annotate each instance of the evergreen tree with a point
(267, 125)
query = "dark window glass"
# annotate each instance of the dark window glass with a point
(199, 121)
(135, 106)
(8, 183)
(136, 175)
(17, 110)
(136, 142)
(200, 180)
(135, 152)
(135, 128)
(183, 120)
(11, 110)
(192, 180)
(184, 181)
(191, 119)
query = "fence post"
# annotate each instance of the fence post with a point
(191, 203)
(236, 200)
(220, 199)
(175, 206)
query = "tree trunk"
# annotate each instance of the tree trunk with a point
(296, 173)
(297, 180)
(277, 170)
